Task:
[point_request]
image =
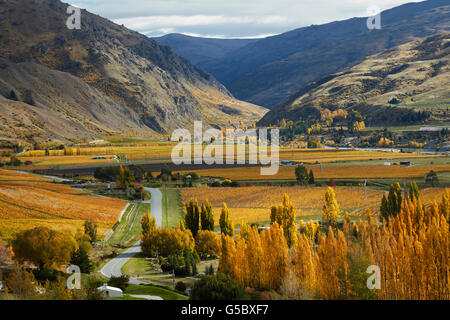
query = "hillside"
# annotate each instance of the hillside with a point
(270, 70)
(387, 88)
(201, 50)
(102, 79)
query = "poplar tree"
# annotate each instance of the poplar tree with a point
(330, 211)
(226, 225)
(414, 192)
(207, 218)
(391, 206)
(192, 217)
(284, 216)
(148, 224)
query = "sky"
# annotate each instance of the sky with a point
(228, 18)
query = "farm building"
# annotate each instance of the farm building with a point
(111, 292)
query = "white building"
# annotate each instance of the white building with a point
(112, 292)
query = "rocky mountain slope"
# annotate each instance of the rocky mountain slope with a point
(387, 88)
(201, 50)
(270, 70)
(101, 79)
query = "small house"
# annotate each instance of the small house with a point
(111, 292)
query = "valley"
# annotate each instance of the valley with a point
(355, 123)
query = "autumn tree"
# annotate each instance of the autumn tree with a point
(414, 192)
(330, 211)
(22, 283)
(192, 217)
(207, 243)
(244, 230)
(181, 226)
(166, 242)
(43, 247)
(301, 174)
(226, 225)
(5, 255)
(284, 216)
(90, 229)
(124, 178)
(207, 218)
(148, 224)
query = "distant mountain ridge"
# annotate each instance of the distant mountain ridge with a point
(270, 70)
(389, 88)
(201, 50)
(137, 81)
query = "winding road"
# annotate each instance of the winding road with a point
(114, 267)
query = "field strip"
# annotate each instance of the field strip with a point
(110, 233)
(37, 210)
(135, 214)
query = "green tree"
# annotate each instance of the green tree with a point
(207, 218)
(311, 179)
(391, 205)
(301, 174)
(119, 282)
(217, 287)
(226, 225)
(81, 259)
(192, 217)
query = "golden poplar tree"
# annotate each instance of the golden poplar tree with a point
(330, 211)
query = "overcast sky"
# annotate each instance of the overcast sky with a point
(228, 18)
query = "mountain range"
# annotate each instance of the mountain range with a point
(104, 79)
(199, 50)
(394, 87)
(268, 71)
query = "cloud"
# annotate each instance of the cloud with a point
(231, 18)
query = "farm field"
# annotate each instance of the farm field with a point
(128, 230)
(252, 204)
(26, 204)
(173, 211)
(81, 157)
(343, 171)
(7, 175)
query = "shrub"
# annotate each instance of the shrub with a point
(119, 282)
(217, 287)
(180, 286)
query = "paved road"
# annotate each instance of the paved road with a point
(156, 205)
(114, 267)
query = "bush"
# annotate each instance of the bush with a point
(217, 287)
(180, 286)
(183, 264)
(119, 282)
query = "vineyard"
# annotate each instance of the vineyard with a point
(7, 175)
(252, 204)
(81, 156)
(25, 204)
(324, 172)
